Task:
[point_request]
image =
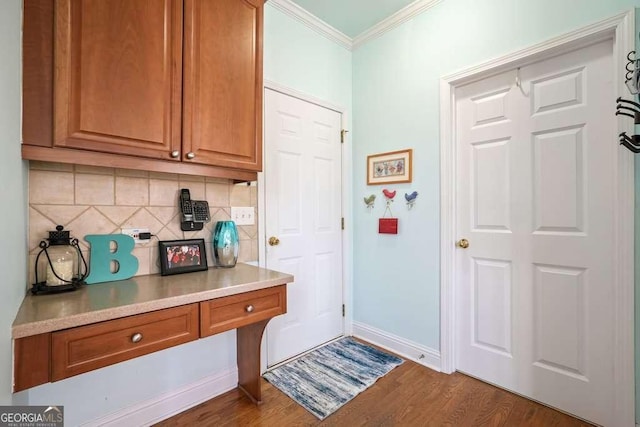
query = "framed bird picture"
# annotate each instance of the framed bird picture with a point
(390, 168)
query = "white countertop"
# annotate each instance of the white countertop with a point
(141, 294)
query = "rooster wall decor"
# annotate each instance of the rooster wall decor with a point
(388, 225)
(369, 201)
(389, 194)
(411, 199)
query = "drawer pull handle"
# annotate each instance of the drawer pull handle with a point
(248, 308)
(136, 337)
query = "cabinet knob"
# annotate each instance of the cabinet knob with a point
(191, 155)
(175, 154)
(136, 337)
(248, 308)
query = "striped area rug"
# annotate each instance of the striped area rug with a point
(327, 378)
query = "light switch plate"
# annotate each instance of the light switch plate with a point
(243, 215)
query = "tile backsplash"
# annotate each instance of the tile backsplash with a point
(97, 200)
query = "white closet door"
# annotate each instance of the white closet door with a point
(535, 196)
(303, 169)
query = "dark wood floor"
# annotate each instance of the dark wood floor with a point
(410, 395)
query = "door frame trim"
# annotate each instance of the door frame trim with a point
(347, 205)
(621, 29)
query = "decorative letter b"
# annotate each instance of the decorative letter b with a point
(101, 258)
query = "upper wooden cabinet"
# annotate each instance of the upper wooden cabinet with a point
(222, 121)
(118, 76)
(177, 81)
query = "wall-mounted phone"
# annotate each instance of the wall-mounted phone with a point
(194, 212)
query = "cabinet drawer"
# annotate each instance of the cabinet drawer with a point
(85, 348)
(223, 314)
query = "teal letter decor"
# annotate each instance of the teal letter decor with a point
(101, 258)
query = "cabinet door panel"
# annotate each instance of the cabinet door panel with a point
(37, 73)
(118, 71)
(222, 119)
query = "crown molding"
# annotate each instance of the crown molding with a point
(313, 22)
(302, 15)
(394, 20)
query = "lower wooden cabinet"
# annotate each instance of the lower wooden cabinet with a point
(31, 361)
(57, 355)
(85, 348)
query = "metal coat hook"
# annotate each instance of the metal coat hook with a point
(632, 77)
(625, 107)
(519, 82)
(630, 108)
(389, 196)
(631, 142)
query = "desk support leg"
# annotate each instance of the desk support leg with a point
(249, 338)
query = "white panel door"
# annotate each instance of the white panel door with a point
(303, 193)
(535, 200)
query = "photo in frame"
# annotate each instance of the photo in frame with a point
(390, 168)
(182, 256)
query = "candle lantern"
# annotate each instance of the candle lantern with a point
(58, 264)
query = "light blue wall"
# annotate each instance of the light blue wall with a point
(99, 393)
(13, 191)
(301, 59)
(396, 105)
(294, 56)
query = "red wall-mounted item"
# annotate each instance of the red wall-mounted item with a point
(388, 226)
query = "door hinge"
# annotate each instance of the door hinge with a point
(343, 310)
(342, 135)
(342, 222)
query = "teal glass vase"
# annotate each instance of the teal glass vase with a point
(225, 244)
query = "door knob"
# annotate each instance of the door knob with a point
(274, 241)
(463, 243)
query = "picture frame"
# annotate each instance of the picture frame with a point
(182, 256)
(394, 167)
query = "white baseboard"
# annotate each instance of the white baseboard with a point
(169, 404)
(408, 349)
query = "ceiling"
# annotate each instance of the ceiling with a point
(352, 17)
